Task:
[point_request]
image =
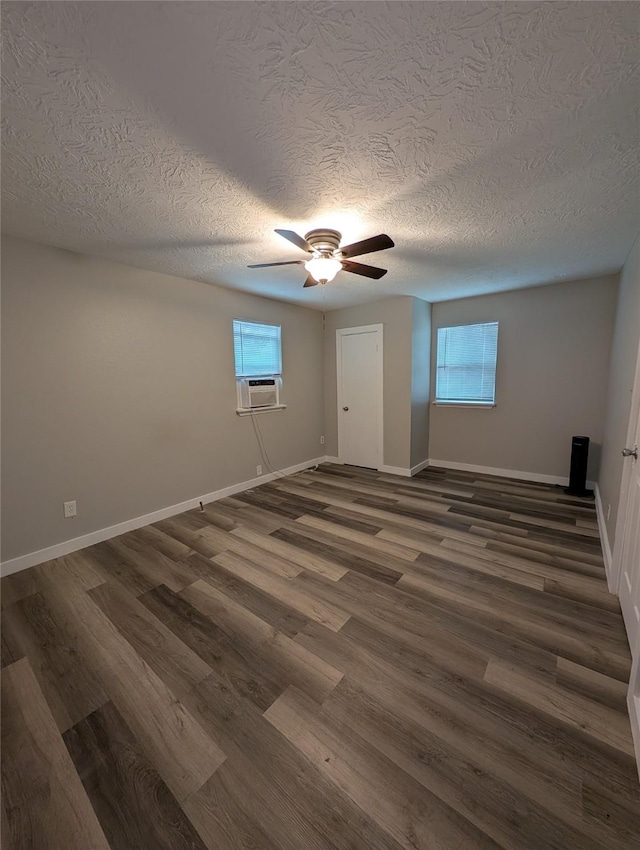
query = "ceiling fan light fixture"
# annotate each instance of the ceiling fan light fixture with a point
(328, 257)
(323, 269)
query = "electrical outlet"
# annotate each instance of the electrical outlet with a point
(70, 509)
(322, 440)
(608, 511)
(258, 470)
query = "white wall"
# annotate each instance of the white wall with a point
(624, 352)
(553, 362)
(420, 381)
(118, 391)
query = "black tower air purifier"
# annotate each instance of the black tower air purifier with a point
(578, 471)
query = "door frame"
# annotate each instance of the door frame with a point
(616, 557)
(633, 692)
(378, 364)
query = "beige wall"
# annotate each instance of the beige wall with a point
(396, 315)
(118, 387)
(624, 353)
(420, 381)
(553, 361)
(118, 391)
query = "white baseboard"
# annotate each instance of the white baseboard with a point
(389, 470)
(395, 470)
(537, 477)
(420, 466)
(633, 705)
(604, 538)
(23, 562)
(405, 471)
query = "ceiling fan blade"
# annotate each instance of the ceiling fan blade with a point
(268, 265)
(310, 281)
(297, 240)
(368, 246)
(365, 271)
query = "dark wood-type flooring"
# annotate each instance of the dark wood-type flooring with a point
(338, 659)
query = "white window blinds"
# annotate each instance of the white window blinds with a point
(257, 349)
(466, 364)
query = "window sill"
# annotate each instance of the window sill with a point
(472, 405)
(251, 411)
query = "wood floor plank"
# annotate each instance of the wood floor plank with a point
(155, 555)
(134, 806)
(332, 616)
(223, 816)
(414, 817)
(340, 554)
(295, 802)
(602, 723)
(475, 560)
(71, 689)
(173, 741)
(591, 683)
(433, 624)
(285, 660)
(10, 641)
(354, 507)
(18, 586)
(581, 589)
(44, 802)
(304, 560)
(395, 550)
(375, 714)
(337, 660)
(276, 612)
(77, 567)
(250, 546)
(193, 531)
(587, 563)
(539, 567)
(535, 742)
(564, 527)
(234, 660)
(360, 549)
(115, 566)
(600, 806)
(562, 610)
(178, 666)
(501, 807)
(549, 636)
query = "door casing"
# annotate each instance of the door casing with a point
(377, 366)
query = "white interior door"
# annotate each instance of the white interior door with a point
(626, 556)
(359, 362)
(629, 589)
(627, 542)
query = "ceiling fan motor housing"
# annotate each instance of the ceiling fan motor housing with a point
(324, 242)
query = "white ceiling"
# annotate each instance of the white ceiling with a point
(496, 143)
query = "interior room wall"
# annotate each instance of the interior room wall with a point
(420, 381)
(624, 352)
(553, 362)
(396, 314)
(118, 391)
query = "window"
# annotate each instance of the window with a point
(466, 364)
(257, 349)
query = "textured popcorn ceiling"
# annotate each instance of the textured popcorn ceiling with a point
(497, 144)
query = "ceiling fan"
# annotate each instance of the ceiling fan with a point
(328, 258)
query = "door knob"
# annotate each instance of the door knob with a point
(345, 408)
(630, 452)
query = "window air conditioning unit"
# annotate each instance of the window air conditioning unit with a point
(258, 392)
